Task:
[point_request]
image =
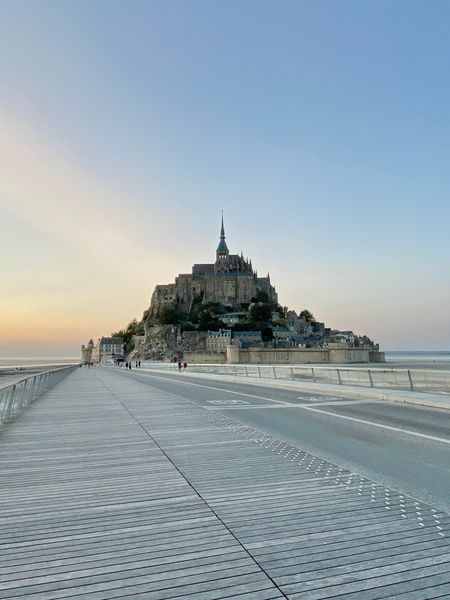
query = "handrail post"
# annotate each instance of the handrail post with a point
(313, 375)
(339, 376)
(23, 400)
(411, 384)
(33, 390)
(274, 372)
(8, 403)
(370, 377)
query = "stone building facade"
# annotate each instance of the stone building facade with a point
(217, 341)
(107, 348)
(230, 280)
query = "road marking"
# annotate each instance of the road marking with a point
(343, 402)
(314, 409)
(210, 387)
(227, 402)
(227, 406)
(389, 427)
(318, 399)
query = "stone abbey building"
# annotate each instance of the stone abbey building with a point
(230, 280)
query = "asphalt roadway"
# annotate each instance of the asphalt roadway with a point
(401, 446)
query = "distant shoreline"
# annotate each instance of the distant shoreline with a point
(28, 361)
(418, 352)
(414, 359)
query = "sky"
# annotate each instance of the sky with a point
(320, 128)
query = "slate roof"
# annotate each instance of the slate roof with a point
(222, 247)
(111, 340)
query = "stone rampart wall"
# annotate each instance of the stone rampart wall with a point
(349, 355)
(271, 356)
(204, 357)
(298, 356)
(291, 356)
(376, 356)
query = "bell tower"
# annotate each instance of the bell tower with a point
(222, 252)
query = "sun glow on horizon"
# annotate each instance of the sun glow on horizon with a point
(326, 150)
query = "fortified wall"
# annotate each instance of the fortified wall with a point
(290, 356)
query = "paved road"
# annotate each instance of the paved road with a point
(404, 447)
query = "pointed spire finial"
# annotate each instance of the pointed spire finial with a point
(222, 249)
(222, 230)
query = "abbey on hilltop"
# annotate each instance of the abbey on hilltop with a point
(223, 312)
(230, 280)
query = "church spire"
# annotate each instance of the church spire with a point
(222, 252)
(222, 230)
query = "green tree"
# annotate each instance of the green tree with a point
(134, 327)
(261, 313)
(198, 310)
(214, 325)
(246, 326)
(267, 334)
(209, 320)
(168, 315)
(307, 315)
(262, 296)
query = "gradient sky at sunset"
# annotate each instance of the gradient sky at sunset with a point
(321, 128)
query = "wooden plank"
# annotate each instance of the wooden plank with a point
(111, 488)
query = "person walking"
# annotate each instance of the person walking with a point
(179, 365)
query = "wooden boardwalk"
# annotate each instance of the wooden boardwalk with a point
(111, 488)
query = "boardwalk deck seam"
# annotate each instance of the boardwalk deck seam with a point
(197, 492)
(134, 492)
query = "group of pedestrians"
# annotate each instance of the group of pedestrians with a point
(128, 364)
(181, 365)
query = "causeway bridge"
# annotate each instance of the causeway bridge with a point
(157, 485)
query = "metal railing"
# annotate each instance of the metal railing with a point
(415, 380)
(14, 398)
